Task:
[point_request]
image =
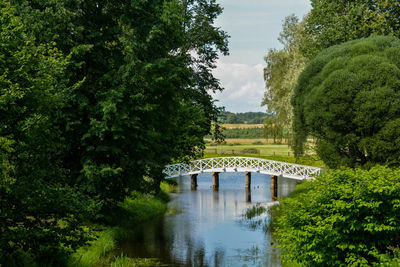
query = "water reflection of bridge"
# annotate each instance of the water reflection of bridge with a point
(241, 164)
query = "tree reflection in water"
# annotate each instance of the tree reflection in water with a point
(210, 230)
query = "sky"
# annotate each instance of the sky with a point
(254, 27)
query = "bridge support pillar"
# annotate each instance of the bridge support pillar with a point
(248, 179)
(274, 187)
(215, 179)
(193, 179)
(248, 195)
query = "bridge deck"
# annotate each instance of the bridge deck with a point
(242, 164)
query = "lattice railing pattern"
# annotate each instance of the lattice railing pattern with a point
(238, 164)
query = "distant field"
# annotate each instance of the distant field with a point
(280, 152)
(250, 149)
(247, 140)
(243, 125)
(261, 149)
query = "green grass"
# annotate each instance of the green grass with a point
(169, 186)
(254, 211)
(123, 261)
(140, 208)
(135, 209)
(264, 149)
(94, 253)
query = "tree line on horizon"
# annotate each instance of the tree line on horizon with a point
(227, 117)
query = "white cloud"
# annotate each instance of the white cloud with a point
(254, 27)
(244, 86)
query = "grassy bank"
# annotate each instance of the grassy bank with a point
(136, 209)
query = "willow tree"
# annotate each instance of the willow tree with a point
(348, 97)
(280, 75)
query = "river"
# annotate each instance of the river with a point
(207, 228)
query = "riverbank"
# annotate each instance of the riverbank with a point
(136, 209)
(344, 217)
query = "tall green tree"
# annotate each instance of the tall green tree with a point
(348, 98)
(96, 97)
(333, 22)
(145, 74)
(281, 73)
(40, 213)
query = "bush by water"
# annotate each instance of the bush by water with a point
(348, 217)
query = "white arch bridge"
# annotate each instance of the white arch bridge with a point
(242, 164)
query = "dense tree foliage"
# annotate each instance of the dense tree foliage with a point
(328, 23)
(348, 97)
(145, 69)
(96, 97)
(227, 117)
(332, 22)
(343, 218)
(40, 213)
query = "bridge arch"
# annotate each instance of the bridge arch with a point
(242, 164)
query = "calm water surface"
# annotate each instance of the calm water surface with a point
(210, 229)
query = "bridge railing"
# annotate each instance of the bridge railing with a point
(231, 164)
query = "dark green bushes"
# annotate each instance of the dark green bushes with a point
(344, 218)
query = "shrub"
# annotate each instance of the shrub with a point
(343, 218)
